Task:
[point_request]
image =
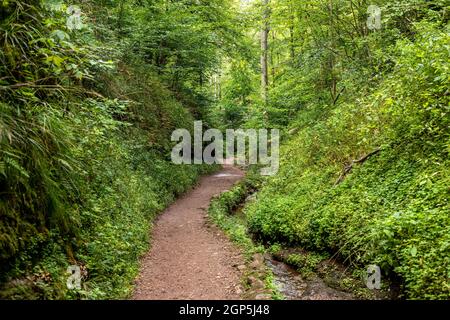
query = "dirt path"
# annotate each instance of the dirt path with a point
(190, 259)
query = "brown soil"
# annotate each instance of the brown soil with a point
(189, 258)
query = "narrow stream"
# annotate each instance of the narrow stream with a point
(293, 286)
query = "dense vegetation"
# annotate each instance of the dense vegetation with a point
(87, 111)
(364, 174)
(85, 124)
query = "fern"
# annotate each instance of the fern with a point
(14, 164)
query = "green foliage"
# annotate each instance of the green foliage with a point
(223, 211)
(237, 95)
(306, 263)
(366, 120)
(37, 163)
(84, 154)
(86, 117)
(391, 209)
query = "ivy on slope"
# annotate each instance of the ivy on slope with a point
(392, 209)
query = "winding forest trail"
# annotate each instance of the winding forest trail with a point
(190, 258)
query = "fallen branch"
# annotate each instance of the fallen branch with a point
(338, 96)
(349, 167)
(95, 94)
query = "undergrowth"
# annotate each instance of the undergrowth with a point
(84, 156)
(391, 208)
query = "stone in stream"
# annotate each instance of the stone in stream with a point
(256, 283)
(258, 261)
(263, 296)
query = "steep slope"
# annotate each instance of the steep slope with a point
(368, 181)
(85, 147)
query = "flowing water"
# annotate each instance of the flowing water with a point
(293, 286)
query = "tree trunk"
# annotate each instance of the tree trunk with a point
(292, 32)
(333, 84)
(264, 51)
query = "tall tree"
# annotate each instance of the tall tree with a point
(265, 50)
